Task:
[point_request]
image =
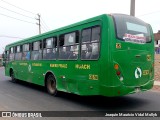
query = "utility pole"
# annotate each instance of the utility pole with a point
(39, 22)
(132, 8)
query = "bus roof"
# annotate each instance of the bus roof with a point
(27, 40)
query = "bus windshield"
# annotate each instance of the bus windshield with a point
(131, 29)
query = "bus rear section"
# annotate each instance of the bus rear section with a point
(133, 55)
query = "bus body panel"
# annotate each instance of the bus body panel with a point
(92, 77)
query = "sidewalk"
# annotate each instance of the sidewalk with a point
(156, 86)
(157, 73)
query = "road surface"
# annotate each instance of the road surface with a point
(23, 96)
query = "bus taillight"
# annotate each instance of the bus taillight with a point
(116, 66)
(118, 73)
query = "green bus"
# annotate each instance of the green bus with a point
(107, 55)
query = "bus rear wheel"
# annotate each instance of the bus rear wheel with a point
(51, 85)
(13, 79)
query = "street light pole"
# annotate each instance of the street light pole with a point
(39, 22)
(132, 8)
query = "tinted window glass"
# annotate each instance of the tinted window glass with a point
(90, 49)
(131, 29)
(36, 46)
(50, 51)
(36, 54)
(49, 43)
(18, 56)
(70, 38)
(95, 34)
(26, 47)
(86, 35)
(69, 46)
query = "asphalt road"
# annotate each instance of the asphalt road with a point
(23, 96)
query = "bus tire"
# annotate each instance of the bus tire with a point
(13, 79)
(51, 85)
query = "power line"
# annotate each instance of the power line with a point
(18, 7)
(39, 17)
(10, 37)
(16, 18)
(16, 12)
(148, 13)
(46, 29)
(45, 24)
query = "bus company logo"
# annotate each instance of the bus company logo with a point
(138, 73)
(6, 114)
(29, 68)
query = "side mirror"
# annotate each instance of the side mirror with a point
(3, 56)
(3, 59)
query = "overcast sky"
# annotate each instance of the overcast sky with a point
(58, 13)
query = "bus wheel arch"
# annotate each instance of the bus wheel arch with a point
(51, 83)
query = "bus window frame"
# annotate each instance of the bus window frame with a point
(39, 48)
(20, 51)
(6, 57)
(10, 52)
(24, 51)
(120, 39)
(77, 43)
(81, 42)
(44, 46)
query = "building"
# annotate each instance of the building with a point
(157, 42)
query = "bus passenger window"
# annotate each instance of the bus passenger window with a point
(6, 56)
(50, 48)
(69, 46)
(11, 54)
(36, 53)
(95, 34)
(26, 52)
(86, 35)
(90, 44)
(18, 54)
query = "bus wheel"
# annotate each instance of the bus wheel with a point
(51, 85)
(13, 79)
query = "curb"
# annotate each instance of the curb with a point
(156, 86)
(157, 83)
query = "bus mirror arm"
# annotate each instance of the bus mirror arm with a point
(4, 63)
(4, 59)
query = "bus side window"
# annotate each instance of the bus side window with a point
(62, 49)
(18, 52)
(26, 52)
(36, 53)
(69, 46)
(11, 54)
(50, 48)
(6, 56)
(90, 43)
(95, 41)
